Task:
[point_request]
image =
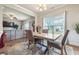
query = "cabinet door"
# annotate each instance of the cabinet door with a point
(24, 33)
(8, 34)
(13, 35)
(19, 34)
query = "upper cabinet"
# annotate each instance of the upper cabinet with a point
(16, 19)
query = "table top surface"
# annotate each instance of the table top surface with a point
(47, 36)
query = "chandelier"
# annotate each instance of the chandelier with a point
(11, 16)
(41, 7)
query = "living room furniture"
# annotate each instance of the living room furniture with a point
(46, 36)
(59, 46)
(13, 34)
(3, 39)
(30, 39)
(32, 43)
(45, 31)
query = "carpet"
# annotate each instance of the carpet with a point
(22, 49)
(69, 51)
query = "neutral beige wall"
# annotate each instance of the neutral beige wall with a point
(39, 21)
(1, 20)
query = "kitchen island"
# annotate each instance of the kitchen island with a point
(13, 34)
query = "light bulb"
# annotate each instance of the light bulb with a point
(41, 9)
(37, 8)
(11, 17)
(45, 8)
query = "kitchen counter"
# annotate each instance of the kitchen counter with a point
(15, 34)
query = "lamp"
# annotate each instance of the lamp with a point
(41, 7)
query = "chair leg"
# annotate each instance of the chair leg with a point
(65, 50)
(61, 51)
(49, 46)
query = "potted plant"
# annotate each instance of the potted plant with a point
(33, 25)
(38, 28)
(16, 26)
(77, 28)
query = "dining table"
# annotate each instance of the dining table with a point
(46, 36)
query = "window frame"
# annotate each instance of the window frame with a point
(62, 15)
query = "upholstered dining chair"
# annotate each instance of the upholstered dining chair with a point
(2, 39)
(45, 30)
(32, 42)
(60, 46)
(30, 37)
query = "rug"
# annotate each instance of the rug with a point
(22, 49)
(69, 51)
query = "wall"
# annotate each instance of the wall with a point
(72, 17)
(30, 22)
(1, 20)
(39, 21)
(72, 14)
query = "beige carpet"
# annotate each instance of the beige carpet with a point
(22, 49)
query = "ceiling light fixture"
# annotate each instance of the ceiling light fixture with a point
(41, 7)
(12, 16)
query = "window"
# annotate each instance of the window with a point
(54, 25)
(26, 25)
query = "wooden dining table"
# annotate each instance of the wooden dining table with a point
(46, 36)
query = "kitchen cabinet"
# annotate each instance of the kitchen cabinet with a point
(14, 34)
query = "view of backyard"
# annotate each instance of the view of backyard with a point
(54, 25)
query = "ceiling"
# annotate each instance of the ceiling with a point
(17, 14)
(32, 7)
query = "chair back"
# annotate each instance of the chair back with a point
(45, 31)
(65, 37)
(2, 39)
(29, 35)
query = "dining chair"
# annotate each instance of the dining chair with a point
(60, 46)
(30, 37)
(33, 43)
(3, 39)
(45, 30)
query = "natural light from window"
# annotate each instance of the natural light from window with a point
(54, 25)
